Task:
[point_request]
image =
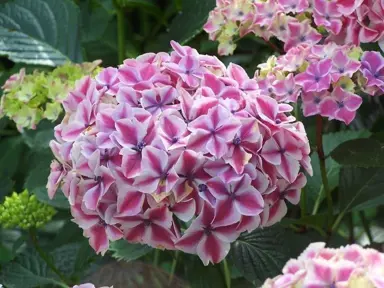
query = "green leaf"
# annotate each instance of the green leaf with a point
(94, 19)
(27, 271)
(104, 48)
(12, 148)
(315, 185)
(40, 32)
(187, 24)
(360, 153)
(149, 5)
(6, 255)
(6, 187)
(64, 258)
(84, 258)
(259, 254)
(39, 139)
(360, 188)
(330, 142)
(59, 201)
(262, 253)
(123, 250)
(200, 276)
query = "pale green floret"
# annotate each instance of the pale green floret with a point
(39, 95)
(24, 211)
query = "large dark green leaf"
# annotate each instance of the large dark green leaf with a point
(12, 151)
(263, 252)
(27, 271)
(123, 250)
(94, 20)
(6, 187)
(187, 24)
(361, 188)
(330, 142)
(65, 256)
(39, 139)
(200, 276)
(43, 32)
(360, 153)
(105, 48)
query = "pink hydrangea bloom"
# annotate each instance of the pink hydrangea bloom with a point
(349, 266)
(177, 135)
(342, 21)
(321, 40)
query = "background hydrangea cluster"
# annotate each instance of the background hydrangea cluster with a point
(351, 266)
(29, 98)
(323, 63)
(176, 151)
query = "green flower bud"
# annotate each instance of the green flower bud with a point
(24, 211)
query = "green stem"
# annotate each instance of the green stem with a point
(32, 233)
(227, 274)
(323, 170)
(157, 256)
(173, 268)
(120, 32)
(296, 111)
(366, 226)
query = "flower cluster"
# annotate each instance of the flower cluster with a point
(24, 211)
(30, 98)
(146, 147)
(326, 76)
(350, 267)
(297, 22)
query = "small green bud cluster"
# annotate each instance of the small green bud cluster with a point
(24, 211)
(30, 98)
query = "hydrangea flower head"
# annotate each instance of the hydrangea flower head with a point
(24, 211)
(30, 98)
(176, 137)
(351, 267)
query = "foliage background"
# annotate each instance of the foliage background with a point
(41, 34)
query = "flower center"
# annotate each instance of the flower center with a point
(317, 100)
(98, 179)
(202, 187)
(340, 104)
(147, 222)
(207, 230)
(236, 140)
(139, 147)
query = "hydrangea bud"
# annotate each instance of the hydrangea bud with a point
(24, 211)
(30, 98)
